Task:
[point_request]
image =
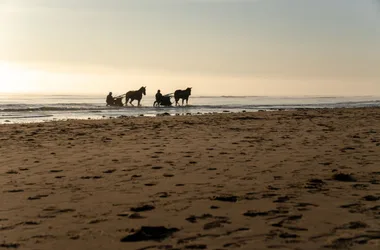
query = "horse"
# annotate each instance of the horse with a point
(182, 94)
(135, 95)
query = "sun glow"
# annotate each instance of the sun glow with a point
(14, 79)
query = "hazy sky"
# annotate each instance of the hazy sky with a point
(222, 47)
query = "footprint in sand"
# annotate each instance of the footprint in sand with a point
(216, 224)
(229, 198)
(11, 172)
(15, 191)
(344, 177)
(37, 197)
(168, 175)
(136, 216)
(371, 198)
(109, 171)
(156, 167)
(198, 246)
(10, 245)
(150, 184)
(147, 233)
(95, 177)
(56, 171)
(96, 221)
(143, 208)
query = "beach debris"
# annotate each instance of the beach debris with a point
(147, 233)
(344, 177)
(143, 208)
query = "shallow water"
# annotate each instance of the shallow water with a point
(40, 108)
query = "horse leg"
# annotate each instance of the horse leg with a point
(131, 102)
(138, 102)
(126, 101)
(183, 100)
(176, 101)
(187, 101)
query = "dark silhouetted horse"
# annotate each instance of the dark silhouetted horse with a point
(182, 94)
(135, 95)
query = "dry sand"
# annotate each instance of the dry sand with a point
(268, 180)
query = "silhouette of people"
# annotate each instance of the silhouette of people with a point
(110, 100)
(158, 96)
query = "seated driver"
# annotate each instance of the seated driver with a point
(158, 96)
(110, 100)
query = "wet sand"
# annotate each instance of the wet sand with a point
(307, 179)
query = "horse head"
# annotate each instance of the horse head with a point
(189, 90)
(143, 89)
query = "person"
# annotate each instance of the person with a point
(110, 100)
(158, 96)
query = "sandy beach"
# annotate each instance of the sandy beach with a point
(305, 179)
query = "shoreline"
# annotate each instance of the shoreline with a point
(304, 179)
(167, 114)
(72, 107)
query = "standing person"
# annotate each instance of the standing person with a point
(110, 100)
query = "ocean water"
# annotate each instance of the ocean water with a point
(42, 108)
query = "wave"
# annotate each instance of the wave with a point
(24, 116)
(88, 107)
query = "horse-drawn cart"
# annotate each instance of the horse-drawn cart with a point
(163, 101)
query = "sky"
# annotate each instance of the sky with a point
(218, 47)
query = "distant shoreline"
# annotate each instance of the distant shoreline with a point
(165, 114)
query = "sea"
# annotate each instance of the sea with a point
(45, 108)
